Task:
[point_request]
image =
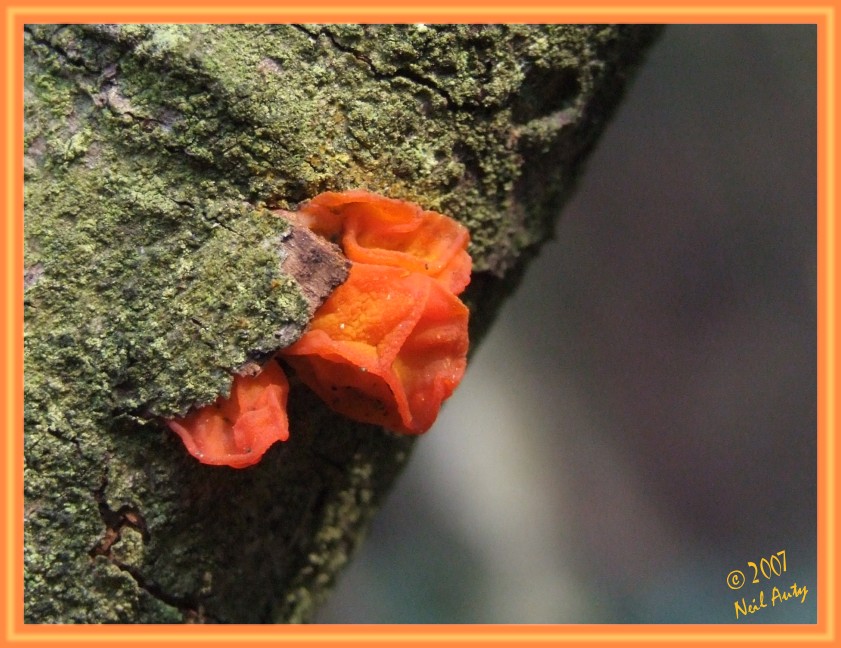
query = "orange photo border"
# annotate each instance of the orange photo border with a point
(822, 14)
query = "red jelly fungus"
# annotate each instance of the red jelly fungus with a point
(384, 231)
(390, 344)
(387, 348)
(236, 431)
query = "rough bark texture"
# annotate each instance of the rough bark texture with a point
(154, 269)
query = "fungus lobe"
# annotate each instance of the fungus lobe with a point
(385, 231)
(387, 348)
(236, 431)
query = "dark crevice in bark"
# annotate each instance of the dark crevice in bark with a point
(129, 516)
(379, 75)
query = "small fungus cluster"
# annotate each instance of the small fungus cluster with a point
(387, 347)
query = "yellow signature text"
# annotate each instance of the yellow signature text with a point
(743, 608)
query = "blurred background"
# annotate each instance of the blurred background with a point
(641, 419)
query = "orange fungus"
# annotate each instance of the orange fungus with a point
(236, 431)
(390, 344)
(387, 347)
(384, 231)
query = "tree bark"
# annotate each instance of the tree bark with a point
(154, 268)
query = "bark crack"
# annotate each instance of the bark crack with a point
(115, 521)
(129, 516)
(379, 75)
(63, 54)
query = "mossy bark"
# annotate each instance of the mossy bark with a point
(154, 268)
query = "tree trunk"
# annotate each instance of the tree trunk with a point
(154, 269)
